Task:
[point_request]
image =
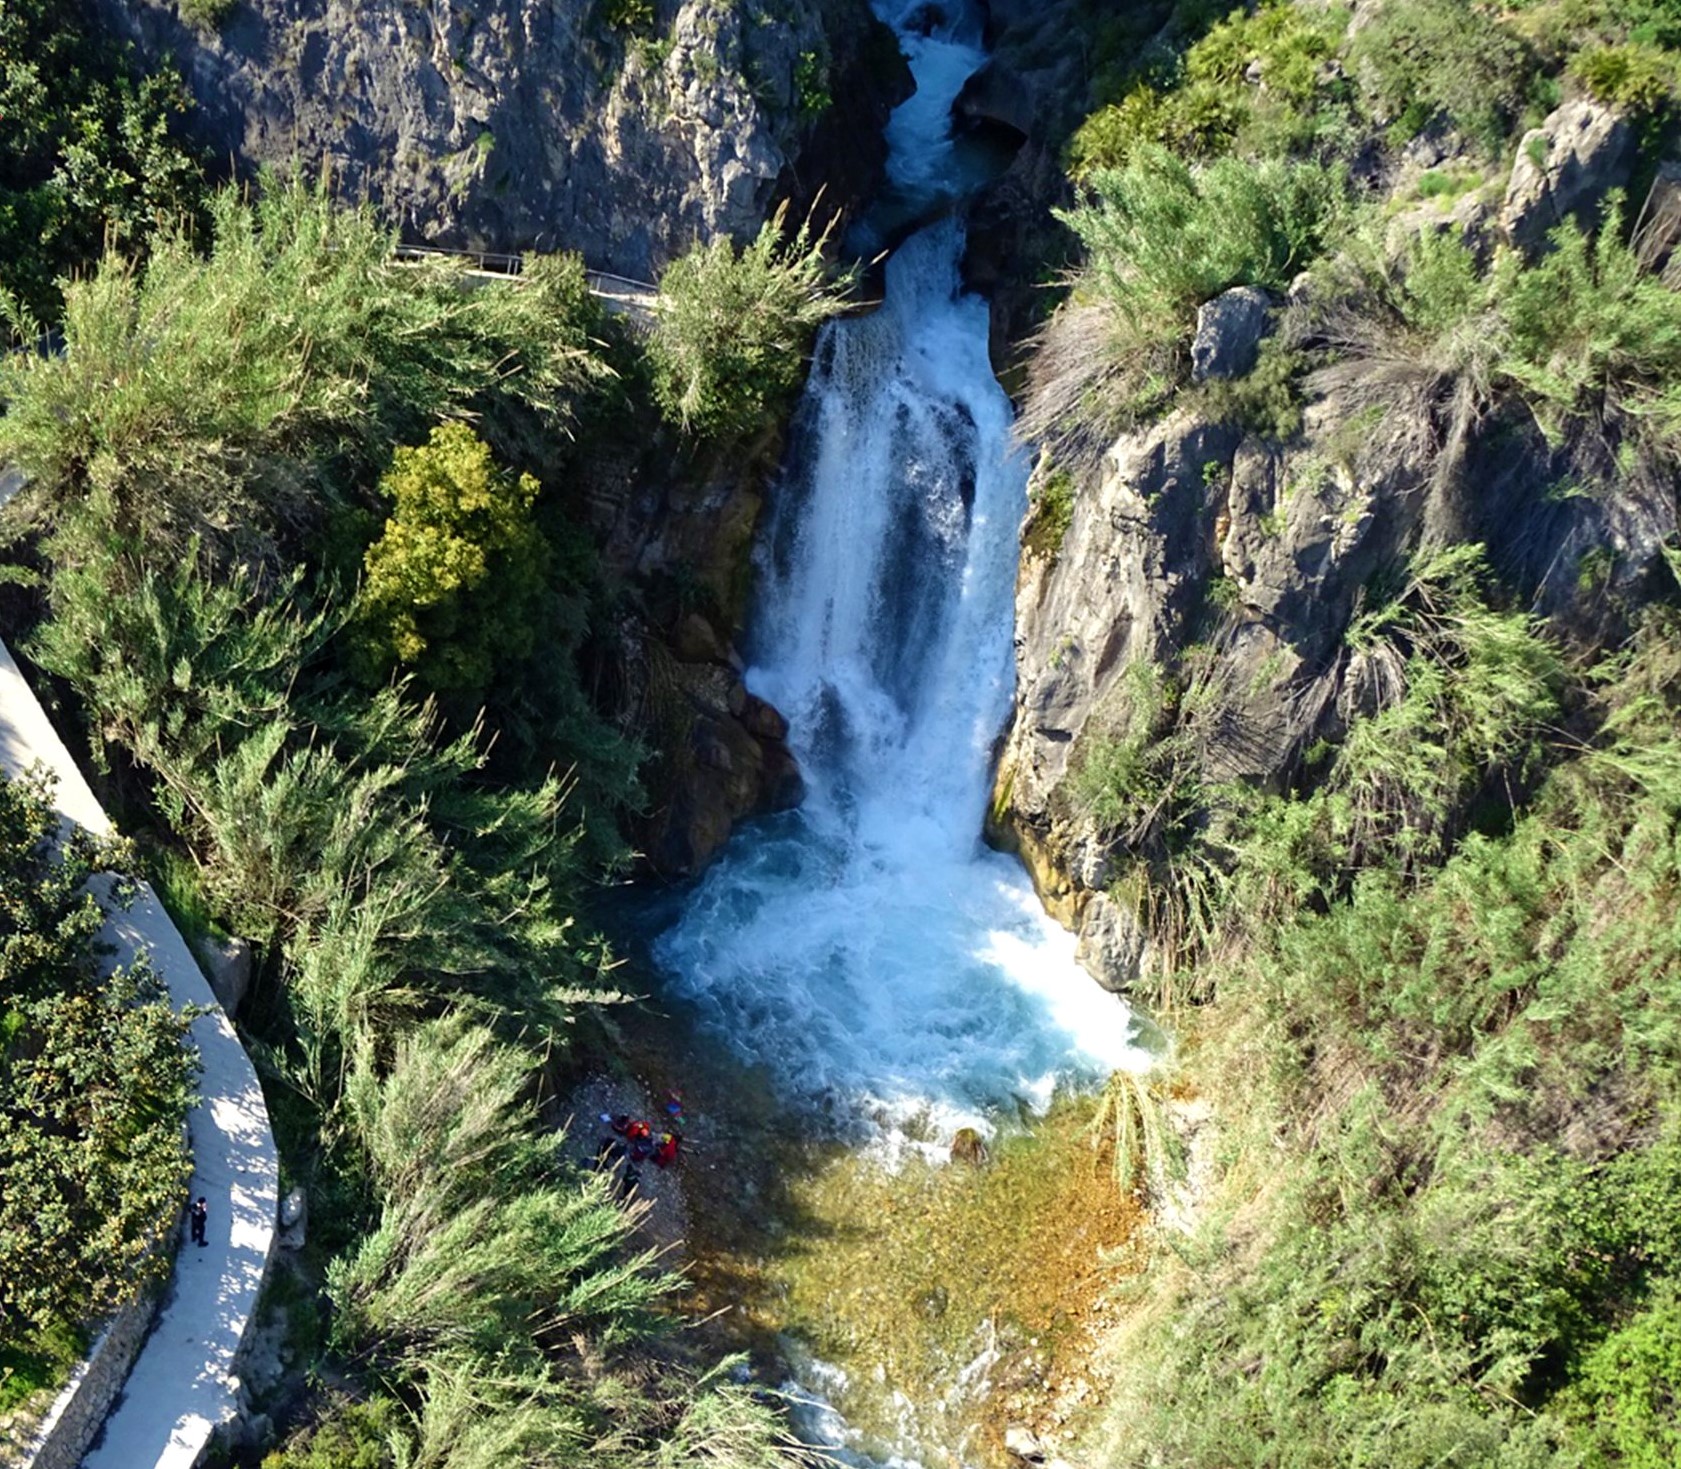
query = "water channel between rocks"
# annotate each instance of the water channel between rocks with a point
(892, 979)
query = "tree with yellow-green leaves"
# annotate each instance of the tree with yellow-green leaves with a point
(453, 583)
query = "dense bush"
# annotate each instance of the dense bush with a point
(1635, 78)
(729, 343)
(94, 1087)
(1212, 106)
(1584, 337)
(454, 582)
(88, 155)
(238, 395)
(1448, 59)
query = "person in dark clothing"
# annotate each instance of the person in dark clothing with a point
(198, 1213)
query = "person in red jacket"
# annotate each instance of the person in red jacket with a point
(665, 1150)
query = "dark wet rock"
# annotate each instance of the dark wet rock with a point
(227, 964)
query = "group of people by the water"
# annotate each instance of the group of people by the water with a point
(635, 1140)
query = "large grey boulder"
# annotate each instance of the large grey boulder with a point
(1229, 332)
(1565, 167)
(227, 965)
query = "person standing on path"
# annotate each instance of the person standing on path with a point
(199, 1212)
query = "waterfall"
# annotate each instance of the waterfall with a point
(868, 949)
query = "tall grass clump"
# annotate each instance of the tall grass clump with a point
(1585, 339)
(1161, 237)
(236, 394)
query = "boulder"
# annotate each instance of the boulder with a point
(1022, 1443)
(968, 1146)
(294, 1220)
(1565, 167)
(698, 642)
(227, 965)
(763, 721)
(1229, 332)
(1113, 948)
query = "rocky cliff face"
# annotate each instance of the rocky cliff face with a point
(625, 131)
(1259, 553)
(682, 532)
(1236, 563)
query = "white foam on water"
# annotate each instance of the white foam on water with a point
(867, 948)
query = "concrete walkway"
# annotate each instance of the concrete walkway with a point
(181, 1385)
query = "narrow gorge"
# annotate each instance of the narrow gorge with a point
(935, 734)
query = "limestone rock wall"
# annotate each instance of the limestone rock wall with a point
(1198, 535)
(547, 124)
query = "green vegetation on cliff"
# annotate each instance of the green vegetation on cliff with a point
(728, 344)
(298, 599)
(1444, 1226)
(1426, 970)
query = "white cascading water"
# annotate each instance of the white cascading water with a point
(867, 948)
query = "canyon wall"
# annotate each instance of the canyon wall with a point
(622, 129)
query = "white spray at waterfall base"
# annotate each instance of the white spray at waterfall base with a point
(868, 949)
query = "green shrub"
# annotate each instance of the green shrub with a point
(1587, 330)
(1449, 58)
(347, 1435)
(811, 85)
(1635, 78)
(37, 1362)
(729, 343)
(1268, 401)
(634, 17)
(1212, 107)
(1629, 1388)
(1052, 512)
(455, 581)
(94, 1088)
(1162, 238)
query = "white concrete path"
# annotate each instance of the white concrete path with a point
(180, 1386)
